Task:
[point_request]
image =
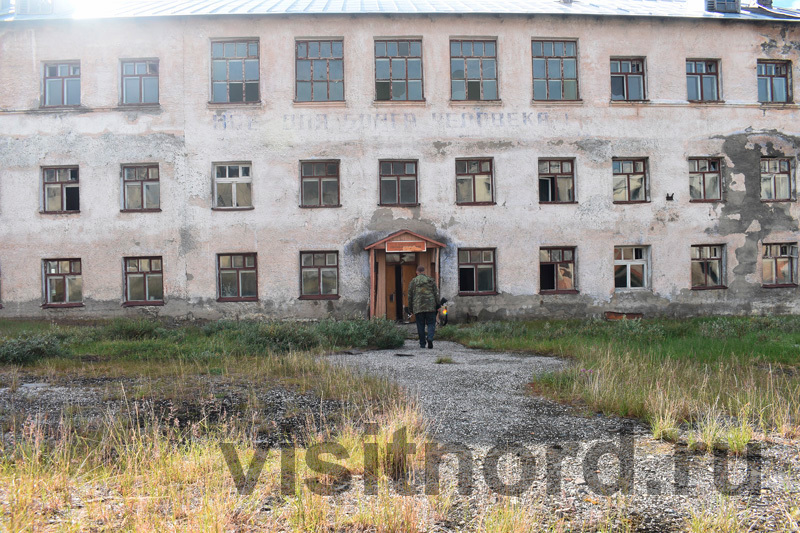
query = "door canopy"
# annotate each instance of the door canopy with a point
(405, 241)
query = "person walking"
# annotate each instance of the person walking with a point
(423, 301)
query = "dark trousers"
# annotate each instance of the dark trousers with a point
(426, 318)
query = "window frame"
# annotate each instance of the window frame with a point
(701, 75)
(480, 161)
(790, 176)
(481, 57)
(547, 77)
(238, 271)
(474, 266)
(573, 262)
(46, 277)
(645, 185)
(721, 259)
(626, 75)
(215, 181)
(149, 168)
(644, 261)
(554, 176)
(64, 185)
(397, 179)
(126, 301)
(70, 64)
(235, 41)
(788, 77)
(319, 179)
(141, 78)
(328, 80)
(405, 59)
(792, 263)
(319, 268)
(703, 174)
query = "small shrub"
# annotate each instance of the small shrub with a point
(28, 348)
(131, 329)
(444, 360)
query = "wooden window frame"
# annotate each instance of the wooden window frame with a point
(553, 179)
(214, 56)
(150, 169)
(480, 58)
(70, 65)
(791, 255)
(63, 186)
(787, 76)
(549, 251)
(127, 302)
(151, 68)
(240, 179)
(702, 174)
(788, 173)
(392, 58)
(547, 74)
(692, 64)
(645, 184)
(308, 57)
(319, 268)
(627, 263)
(319, 179)
(474, 266)
(397, 178)
(720, 259)
(238, 270)
(61, 275)
(626, 75)
(472, 175)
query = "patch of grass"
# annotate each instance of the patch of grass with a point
(444, 360)
(28, 348)
(668, 372)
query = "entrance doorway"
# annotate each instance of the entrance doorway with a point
(400, 270)
(393, 264)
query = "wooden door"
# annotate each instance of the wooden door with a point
(409, 272)
(391, 290)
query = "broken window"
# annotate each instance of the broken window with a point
(630, 267)
(238, 280)
(61, 190)
(63, 284)
(702, 80)
(707, 267)
(474, 181)
(398, 70)
(557, 269)
(473, 70)
(627, 79)
(144, 280)
(234, 71)
(141, 188)
(476, 271)
(62, 84)
(555, 70)
(779, 265)
(319, 275)
(320, 71)
(776, 179)
(556, 181)
(774, 81)
(140, 81)
(319, 184)
(705, 181)
(398, 182)
(630, 180)
(232, 186)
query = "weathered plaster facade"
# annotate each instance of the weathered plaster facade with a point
(185, 135)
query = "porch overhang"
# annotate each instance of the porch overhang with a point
(404, 236)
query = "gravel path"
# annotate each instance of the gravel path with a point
(481, 398)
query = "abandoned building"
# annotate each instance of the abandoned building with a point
(299, 158)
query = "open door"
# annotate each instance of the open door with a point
(409, 272)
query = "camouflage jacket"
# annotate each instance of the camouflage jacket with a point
(423, 295)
